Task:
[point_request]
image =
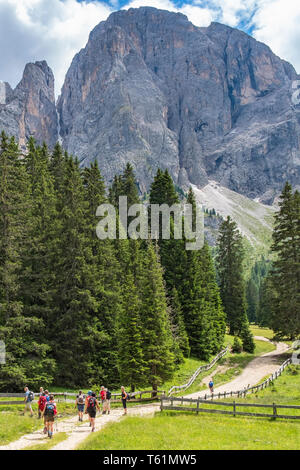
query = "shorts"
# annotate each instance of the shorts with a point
(92, 413)
(28, 405)
(80, 407)
(124, 403)
(49, 419)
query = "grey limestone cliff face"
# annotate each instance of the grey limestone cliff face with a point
(206, 103)
(29, 109)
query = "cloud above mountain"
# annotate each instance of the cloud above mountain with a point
(55, 30)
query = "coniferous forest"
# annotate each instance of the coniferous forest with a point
(76, 310)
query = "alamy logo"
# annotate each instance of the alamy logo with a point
(296, 93)
(152, 221)
(2, 352)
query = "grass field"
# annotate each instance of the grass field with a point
(210, 431)
(180, 431)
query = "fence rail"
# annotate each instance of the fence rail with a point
(167, 403)
(177, 388)
(253, 389)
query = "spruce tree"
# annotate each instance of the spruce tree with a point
(130, 351)
(285, 274)
(230, 272)
(157, 334)
(27, 353)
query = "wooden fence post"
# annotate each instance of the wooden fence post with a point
(274, 411)
(198, 406)
(161, 403)
(234, 408)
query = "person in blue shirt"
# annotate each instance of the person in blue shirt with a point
(211, 386)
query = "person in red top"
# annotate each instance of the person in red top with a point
(41, 404)
(103, 399)
(49, 413)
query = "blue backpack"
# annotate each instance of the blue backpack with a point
(49, 411)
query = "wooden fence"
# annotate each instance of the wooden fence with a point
(253, 389)
(167, 403)
(177, 388)
(70, 397)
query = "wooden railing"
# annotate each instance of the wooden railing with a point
(242, 393)
(177, 388)
(167, 403)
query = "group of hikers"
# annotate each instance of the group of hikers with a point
(85, 404)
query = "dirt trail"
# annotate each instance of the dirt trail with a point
(253, 373)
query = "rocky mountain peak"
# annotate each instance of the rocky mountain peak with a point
(29, 109)
(206, 103)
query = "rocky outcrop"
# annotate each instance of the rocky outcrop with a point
(29, 109)
(207, 103)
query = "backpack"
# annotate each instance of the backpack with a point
(49, 411)
(31, 396)
(91, 403)
(43, 401)
(80, 399)
(108, 395)
(128, 396)
(211, 384)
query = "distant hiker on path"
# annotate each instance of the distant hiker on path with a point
(41, 405)
(103, 399)
(124, 395)
(80, 399)
(29, 397)
(92, 406)
(49, 414)
(211, 386)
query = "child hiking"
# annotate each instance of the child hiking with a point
(211, 386)
(49, 414)
(92, 406)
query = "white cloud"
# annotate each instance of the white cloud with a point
(277, 24)
(53, 30)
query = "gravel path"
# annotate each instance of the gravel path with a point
(253, 373)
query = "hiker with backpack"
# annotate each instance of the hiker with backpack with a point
(49, 414)
(80, 399)
(92, 406)
(41, 404)
(125, 396)
(29, 397)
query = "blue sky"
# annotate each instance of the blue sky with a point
(55, 30)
